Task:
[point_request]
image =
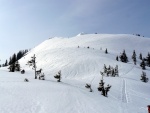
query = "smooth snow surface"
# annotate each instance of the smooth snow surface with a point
(78, 66)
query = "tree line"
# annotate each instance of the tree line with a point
(15, 57)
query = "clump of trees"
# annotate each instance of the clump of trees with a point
(102, 89)
(18, 56)
(143, 77)
(145, 61)
(110, 71)
(14, 64)
(58, 76)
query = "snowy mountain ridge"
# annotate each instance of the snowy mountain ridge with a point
(80, 59)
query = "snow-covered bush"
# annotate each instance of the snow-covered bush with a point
(42, 76)
(58, 76)
(26, 80)
(22, 71)
(88, 86)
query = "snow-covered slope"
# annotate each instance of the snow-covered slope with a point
(79, 65)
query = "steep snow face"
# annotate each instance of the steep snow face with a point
(80, 60)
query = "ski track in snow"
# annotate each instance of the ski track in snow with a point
(124, 94)
(124, 97)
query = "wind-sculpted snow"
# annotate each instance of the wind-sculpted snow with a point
(79, 65)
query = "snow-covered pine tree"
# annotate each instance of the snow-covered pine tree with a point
(107, 88)
(108, 70)
(143, 77)
(11, 67)
(17, 66)
(134, 57)
(101, 87)
(143, 65)
(14, 58)
(123, 57)
(105, 69)
(148, 60)
(58, 76)
(116, 71)
(140, 56)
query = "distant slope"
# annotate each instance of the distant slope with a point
(63, 53)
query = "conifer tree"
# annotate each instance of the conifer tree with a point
(116, 71)
(32, 63)
(117, 58)
(148, 60)
(143, 77)
(134, 57)
(143, 65)
(6, 63)
(14, 58)
(106, 51)
(105, 69)
(107, 88)
(140, 56)
(123, 57)
(12, 64)
(17, 66)
(101, 88)
(19, 55)
(12, 67)
(10, 61)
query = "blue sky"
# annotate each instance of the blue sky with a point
(26, 23)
